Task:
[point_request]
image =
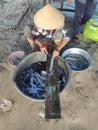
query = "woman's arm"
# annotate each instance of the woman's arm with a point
(42, 48)
(61, 43)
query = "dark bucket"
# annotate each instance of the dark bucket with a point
(29, 76)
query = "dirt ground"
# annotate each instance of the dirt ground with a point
(79, 102)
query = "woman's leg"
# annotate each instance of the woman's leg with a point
(79, 9)
(89, 11)
(27, 34)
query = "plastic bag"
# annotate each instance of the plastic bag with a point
(91, 29)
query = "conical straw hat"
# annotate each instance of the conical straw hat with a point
(48, 18)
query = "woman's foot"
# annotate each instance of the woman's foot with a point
(75, 38)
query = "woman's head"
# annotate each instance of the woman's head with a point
(48, 18)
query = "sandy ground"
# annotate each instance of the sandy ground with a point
(79, 103)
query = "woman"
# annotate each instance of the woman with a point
(48, 31)
(84, 10)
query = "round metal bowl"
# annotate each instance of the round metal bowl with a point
(24, 76)
(78, 59)
(15, 58)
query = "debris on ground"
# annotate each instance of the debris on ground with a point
(6, 105)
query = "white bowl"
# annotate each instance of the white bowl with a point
(78, 59)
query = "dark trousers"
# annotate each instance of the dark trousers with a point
(83, 12)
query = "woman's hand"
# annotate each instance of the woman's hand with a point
(44, 50)
(55, 53)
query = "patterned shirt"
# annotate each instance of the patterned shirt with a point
(47, 33)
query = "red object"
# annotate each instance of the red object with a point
(13, 55)
(47, 44)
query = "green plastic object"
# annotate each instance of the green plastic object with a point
(91, 29)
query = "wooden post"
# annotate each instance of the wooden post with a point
(44, 2)
(52, 103)
(62, 4)
(49, 1)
